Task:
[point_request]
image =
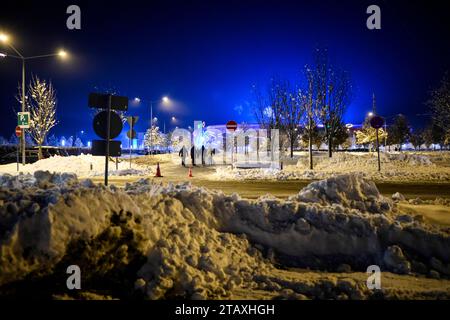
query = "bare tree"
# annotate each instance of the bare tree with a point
(332, 90)
(417, 139)
(292, 108)
(399, 131)
(41, 103)
(439, 104)
(268, 108)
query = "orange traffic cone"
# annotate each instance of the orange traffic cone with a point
(158, 171)
(190, 173)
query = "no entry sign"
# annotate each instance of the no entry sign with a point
(18, 132)
(232, 125)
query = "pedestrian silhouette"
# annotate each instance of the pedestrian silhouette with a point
(193, 155)
(183, 154)
(203, 155)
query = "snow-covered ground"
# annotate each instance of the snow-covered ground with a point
(184, 241)
(84, 165)
(395, 166)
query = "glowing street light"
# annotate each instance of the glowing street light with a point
(370, 114)
(62, 54)
(4, 38)
(164, 100)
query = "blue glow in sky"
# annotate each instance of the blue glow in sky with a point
(206, 55)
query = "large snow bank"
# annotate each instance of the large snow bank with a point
(184, 241)
(84, 165)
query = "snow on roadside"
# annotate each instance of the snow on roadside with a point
(84, 165)
(185, 241)
(395, 167)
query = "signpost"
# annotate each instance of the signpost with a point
(377, 122)
(131, 134)
(107, 125)
(18, 135)
(232, 126)
(23, 122)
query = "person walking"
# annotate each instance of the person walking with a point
(203, 155)
(183, 154)
(193, 155)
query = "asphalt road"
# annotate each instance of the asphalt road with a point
(252, 189)
(283, 189)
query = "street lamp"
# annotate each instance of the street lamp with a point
(4, 38)
(164, 100)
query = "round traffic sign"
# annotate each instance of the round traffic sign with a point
(376, 122)
(232, 125)
(18, 132)
(131, 134)
(100, 123)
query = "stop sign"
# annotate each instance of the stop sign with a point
(18, 132)
(232, 125)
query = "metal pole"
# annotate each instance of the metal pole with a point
(23, 110)
(378, 151)
(18, 148)
(108, 128)
(310, 143)
(151, 127)
(131, 135)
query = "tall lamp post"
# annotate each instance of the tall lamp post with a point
(164, 100)
(5, 39)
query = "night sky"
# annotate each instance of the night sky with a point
(206, 55)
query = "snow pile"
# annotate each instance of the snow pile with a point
(410, 159)
(84, 165)
(348, 190)
(362, 159)
(394, 167)
(125, 172)
(228, 173)
(189, 242)
(178, 251)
